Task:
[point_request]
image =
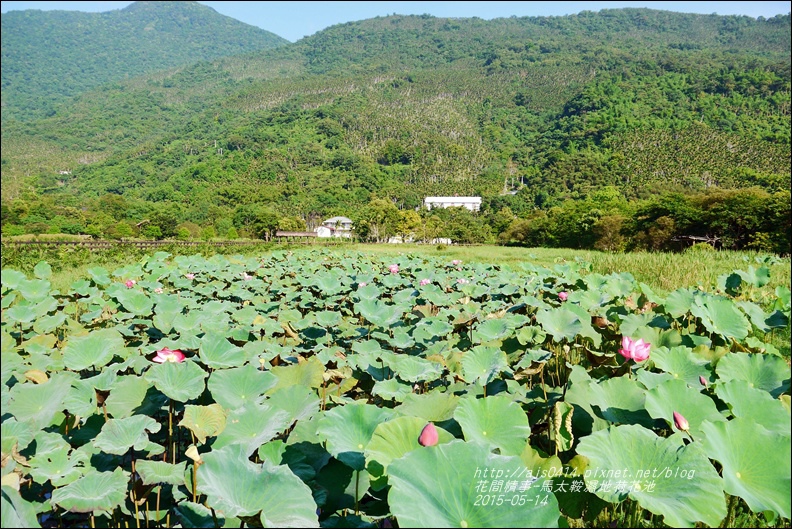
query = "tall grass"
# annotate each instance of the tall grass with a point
(663, 272)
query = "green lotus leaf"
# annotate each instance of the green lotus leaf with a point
(368, 292)
(126, 396)
(119, 435)
(21, 313)
(391, 440)
(95, 350)
(58, 466)
(429, 329)
(682, 364)
(165, 312)
(251, 426)
(761, 371)
(620, 401)
(99, 275)
(95, 491)
(414, 369)
(185, 324)
(37, 404)
(217, 352)
(531, 335)
(135, 302)
(81, 399)
(153, 472)
(328, 319)
(391, 389)
(233, 388)
(34, 290)
(491, 330)
(436, 486)
(755, 314)
(329, 283)
(562, 324)
(178, 381)
(721, 316)
(651, 380)
(15, 511)
(586, 329)
(197, 516)
(11, 278)
(676, 396)
(308, 374)
(204, 421)
(16, 433)
(105, 380)
(757, 278)
(756, 463)
(634, 324)
(237, 487)
(678, 302)
(483, 363)
(433, 406)
(496, 421)
(47, 324)
(379, 313)
(752, 403)
(348, 430)
(665, 477)
(299, 402)
(401, 339)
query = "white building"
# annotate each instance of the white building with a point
(335, 227)
(471, 203)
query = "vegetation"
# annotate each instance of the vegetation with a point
(51, 56)
(320, 388)
(623, 129)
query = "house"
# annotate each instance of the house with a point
(471, 203)
(335, 227)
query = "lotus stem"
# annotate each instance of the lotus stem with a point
(195, 482)
(357, 497)
(159, 490)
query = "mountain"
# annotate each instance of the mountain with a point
(48, 56)
(526, 112)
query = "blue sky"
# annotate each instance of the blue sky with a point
(295, 20)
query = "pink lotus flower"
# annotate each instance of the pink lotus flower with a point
(563, 296)
(130, 283)
(362, 284)
(462, 281)
(394, 269)
(634, 350)
(680, 422)
(703, 381)
(428, 435)
(246, 276)
(158, 290)
(168, 355)
(456, 262)
(425, 282)
(189, 276)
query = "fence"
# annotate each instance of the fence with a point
(99, 244)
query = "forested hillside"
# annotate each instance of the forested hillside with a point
(573, 129)
(49, 56)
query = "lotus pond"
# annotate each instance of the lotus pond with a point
(310, 388)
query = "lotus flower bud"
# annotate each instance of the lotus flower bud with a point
(428, 435)
(680, 422)
(703, 381)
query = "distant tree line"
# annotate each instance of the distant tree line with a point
(739, 219)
